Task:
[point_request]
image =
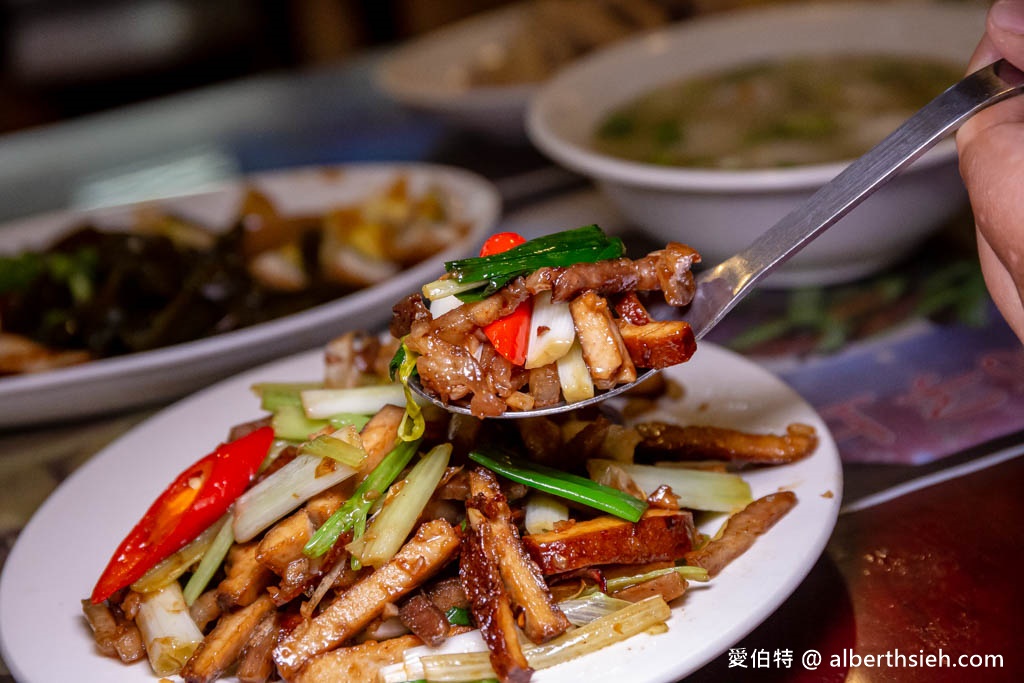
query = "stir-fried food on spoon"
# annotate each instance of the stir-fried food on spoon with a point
(529, 324)
(348, 534)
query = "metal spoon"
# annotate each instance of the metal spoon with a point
(720, 288)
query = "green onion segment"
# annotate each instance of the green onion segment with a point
(569, 486)
(351, 516)
(588, 244)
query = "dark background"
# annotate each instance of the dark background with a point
(61, 59)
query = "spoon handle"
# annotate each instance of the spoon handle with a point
(722, 287)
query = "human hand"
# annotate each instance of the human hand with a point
(991, 148)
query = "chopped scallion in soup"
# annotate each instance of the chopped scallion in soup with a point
(775, 114)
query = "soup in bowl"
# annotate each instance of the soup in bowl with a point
(676, 185)
(775, 113)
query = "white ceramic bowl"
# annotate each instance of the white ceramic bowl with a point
(720, 212)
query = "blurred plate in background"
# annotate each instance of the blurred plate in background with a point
(480, 73)
(149, 377)
(434, 74)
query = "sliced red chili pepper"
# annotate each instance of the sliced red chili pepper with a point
(195, 500)
(501, 241)
(509, 335)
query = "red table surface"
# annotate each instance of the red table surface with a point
(935, 572)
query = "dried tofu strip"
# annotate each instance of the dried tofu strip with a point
(492, 608)
(256, 663)
(357, 663)
(246, 578)
(659, 535)
(490, 515)
(222, 647)
(433, 546)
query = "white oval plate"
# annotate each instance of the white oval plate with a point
(152, 376)
(65, 546)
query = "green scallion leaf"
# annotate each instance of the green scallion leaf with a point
(352, 515)
(211, 561)
(396, 362)
(569, 486)
(458, 616)
(402, 367)
(588, 244)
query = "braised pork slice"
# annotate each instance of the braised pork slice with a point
(433, 546)
(490, 515)
(223, 645)
(659, 535)
(205, 609)
(115, 636)
(667, 269)
(661, 440)
(425, 619)
(405, 313)
(448, 593)
(741, 530)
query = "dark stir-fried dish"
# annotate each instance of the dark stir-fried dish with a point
(349, 533)
(95, 294)
(531, 324)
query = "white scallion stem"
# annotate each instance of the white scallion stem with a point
(344, 445)
(323, 403)
(393, 524)
(543, 511)
(449, 286)
(439, 307)
(283, 491)
(552, 331)
(574, 375)
(600, 633)
(167, 629)
(696, 489)
(583, 610)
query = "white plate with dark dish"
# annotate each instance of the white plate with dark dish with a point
(65, 546)
(149, 377)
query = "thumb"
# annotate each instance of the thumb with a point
(1004, 37)
(1005, 28)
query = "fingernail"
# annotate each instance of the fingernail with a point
(1008, 15)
